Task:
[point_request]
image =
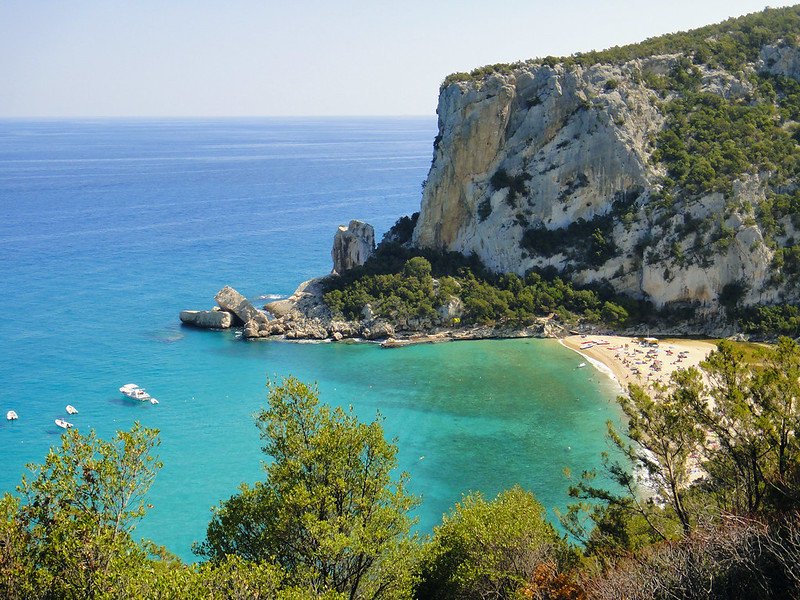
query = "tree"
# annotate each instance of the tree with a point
(660, 436)
(742, 429)
(67, 533)
(329, 512)
(418, 267)
(489, 550)
(753, 415)
(665, 434)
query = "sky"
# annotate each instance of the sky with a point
(187, 58)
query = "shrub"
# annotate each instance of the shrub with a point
(489, 550)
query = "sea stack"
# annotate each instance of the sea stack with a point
(352, 245)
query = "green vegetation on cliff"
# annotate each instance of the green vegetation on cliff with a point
(719, 111)
(709, 142)
(398, 284)
(331, 518)
(730, 45)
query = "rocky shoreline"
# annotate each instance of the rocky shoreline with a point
(304, 316)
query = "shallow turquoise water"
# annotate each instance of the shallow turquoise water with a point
(109, 228)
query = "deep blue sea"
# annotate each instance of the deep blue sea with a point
(109, 228)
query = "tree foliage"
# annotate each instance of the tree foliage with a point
(736, 424)
(730, 44)
(709, 142)
(329, 512)
(489, 550)
(67, 532)
(402, 291)
(737, 559)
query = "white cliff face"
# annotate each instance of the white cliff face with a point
(478, 117)
(547, 146)
(352, 245)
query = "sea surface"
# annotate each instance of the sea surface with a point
(109, 228)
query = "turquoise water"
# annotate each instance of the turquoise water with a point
(109, 228)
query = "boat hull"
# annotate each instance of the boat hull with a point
(134, 392)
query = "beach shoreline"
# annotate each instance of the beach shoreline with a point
(632, 360)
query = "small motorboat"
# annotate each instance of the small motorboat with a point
(63, 424)
(131, 390)
(153, 401)
(71, 410)
(583, 364)
(11, 415)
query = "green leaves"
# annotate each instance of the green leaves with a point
(489, 549)
(329, 513)
(67, 534)
(734, 423)
(406, 294)
(709, 141)
(90, 477)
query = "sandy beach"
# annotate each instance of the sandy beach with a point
(630, 360)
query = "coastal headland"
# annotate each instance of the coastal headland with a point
(304, 316)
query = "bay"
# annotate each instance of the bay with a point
(108, 228)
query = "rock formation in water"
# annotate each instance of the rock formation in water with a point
(208, 319)
(232, 301)
(352, 245)
(566, 163)
(234, 310)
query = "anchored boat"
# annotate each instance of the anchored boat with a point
(133, 391)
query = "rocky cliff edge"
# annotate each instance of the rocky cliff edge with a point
(547, 146)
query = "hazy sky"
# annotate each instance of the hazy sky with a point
(296, 57)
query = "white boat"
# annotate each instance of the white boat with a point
(63, 424)
(11, 415)
(580, 366)
(131, 390)
(71, 410)
(153, 401)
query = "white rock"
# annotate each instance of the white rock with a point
(232, 301)
(571, 145)
(207, 319)
(352, 245)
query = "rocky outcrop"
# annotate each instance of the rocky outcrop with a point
(305, 316)
(234, 310)
(207, 319)
(549, 145)
(780, 59)
(352, 245)
(232, 301)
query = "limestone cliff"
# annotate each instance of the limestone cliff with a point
(523, 155)
(352, 245)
